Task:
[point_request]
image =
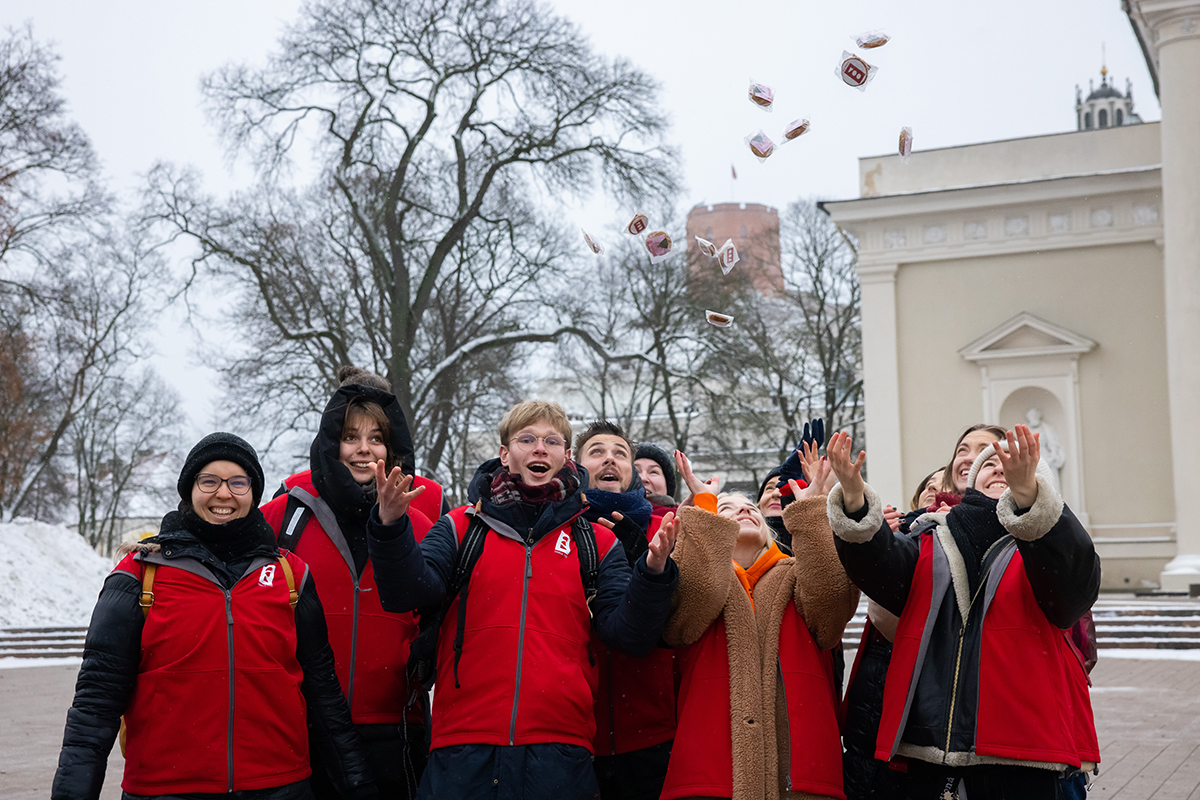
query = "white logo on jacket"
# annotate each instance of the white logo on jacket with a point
(563, 545)
(267, 576)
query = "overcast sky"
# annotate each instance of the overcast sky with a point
(955, 72)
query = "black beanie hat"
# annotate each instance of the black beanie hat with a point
(657, 454)
(221, 447)
(762, 487)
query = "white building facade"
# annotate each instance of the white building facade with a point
(1052, 279)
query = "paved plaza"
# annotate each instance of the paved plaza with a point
(1147, 713)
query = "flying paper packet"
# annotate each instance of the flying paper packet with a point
(760, 145)
(706, 247)
(795, 129)
(638, 224)
(872, 39)
(718, 319)
(905, 144)
(659, 245)
(727, 256)
(854, 71)
(594, 245)
(761, 95)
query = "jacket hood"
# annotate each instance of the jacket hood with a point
(332, 478)
(553, 515)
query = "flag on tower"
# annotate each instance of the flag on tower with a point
(733, 169)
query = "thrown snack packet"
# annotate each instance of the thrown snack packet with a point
(854, 71)
(638, 224)
(596, 248)
(728, 256)
(761, 145)
(905, 144)
(761, 95)
(795, 129)
(659, 245)
(872, 39)
(720, 320)
(706, 247)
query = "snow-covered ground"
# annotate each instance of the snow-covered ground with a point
(48, 575)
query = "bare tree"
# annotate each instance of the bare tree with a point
(421, 249)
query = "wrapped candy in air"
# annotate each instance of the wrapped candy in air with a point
(718, 319)
(659, 245)
(727, 256)
(854, 71)
(761, 145)
(905, 144)
(706, 247)
(593, 244)
(761, 95)
(872, 39)
(795, 129)
(638, 224)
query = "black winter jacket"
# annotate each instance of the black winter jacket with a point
(112, 653)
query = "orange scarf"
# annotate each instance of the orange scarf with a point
(749, 577)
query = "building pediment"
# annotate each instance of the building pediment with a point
(1026, 335)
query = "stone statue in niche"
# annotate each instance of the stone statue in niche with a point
(1052, 449)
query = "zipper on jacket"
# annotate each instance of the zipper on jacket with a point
(229, 732)
(353, 646)
(962, 635)
(612, 719)
(512, 726)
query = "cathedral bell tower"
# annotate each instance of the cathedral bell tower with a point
(1105, 107)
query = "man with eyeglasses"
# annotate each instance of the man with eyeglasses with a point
(517, 674)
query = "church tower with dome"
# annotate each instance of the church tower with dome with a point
(1105, 107)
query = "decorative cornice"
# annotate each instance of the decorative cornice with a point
(1158, 23)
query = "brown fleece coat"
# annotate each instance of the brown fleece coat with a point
(708, 588)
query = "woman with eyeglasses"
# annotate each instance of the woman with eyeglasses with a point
(207, 649)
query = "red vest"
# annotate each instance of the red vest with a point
(635, 707)
(1044, 715)
(217, 704)
(370, 645)
(702, 756)
(526, 675)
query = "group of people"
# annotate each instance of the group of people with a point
(581, 633)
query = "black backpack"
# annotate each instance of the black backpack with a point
(422, 654)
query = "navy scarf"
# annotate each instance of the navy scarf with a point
(632, 503)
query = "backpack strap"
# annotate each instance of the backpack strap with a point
(469, 551)
(295, 520)
(290, 577)
(146, 601)
(589, 559)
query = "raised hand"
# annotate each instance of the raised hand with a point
(848, 472)
(694, 484)
(817, 471)
(892, 517)
(392, 492)
(631, 537)
(662, 544)
(1020, 464)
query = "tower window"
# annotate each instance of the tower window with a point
(1120, 118)
(708, 232)
(1102, 118)
(743, 231)
(1087, 121)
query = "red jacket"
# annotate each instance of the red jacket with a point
(525, 671)
(702, 756)
(370, 645)
(217, 705)
(635, 707)
(1046, 716)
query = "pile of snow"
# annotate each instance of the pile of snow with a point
(48, 575)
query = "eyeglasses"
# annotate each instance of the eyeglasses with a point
(238, 484)
(527, 441)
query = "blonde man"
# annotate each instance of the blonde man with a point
(520, 577)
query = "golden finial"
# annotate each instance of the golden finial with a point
(1103, 64)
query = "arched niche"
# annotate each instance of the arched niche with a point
(1025, 363)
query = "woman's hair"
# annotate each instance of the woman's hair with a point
(360, 411)
(948, 475)
(916, 498)
(746, 497)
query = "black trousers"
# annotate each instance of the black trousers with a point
(983, 782)
(397, 755)
(638, 775)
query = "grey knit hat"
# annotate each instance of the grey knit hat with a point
(221, 446)
(657, 454)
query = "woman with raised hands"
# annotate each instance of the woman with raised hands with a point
(984, 695)
(758, 701)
